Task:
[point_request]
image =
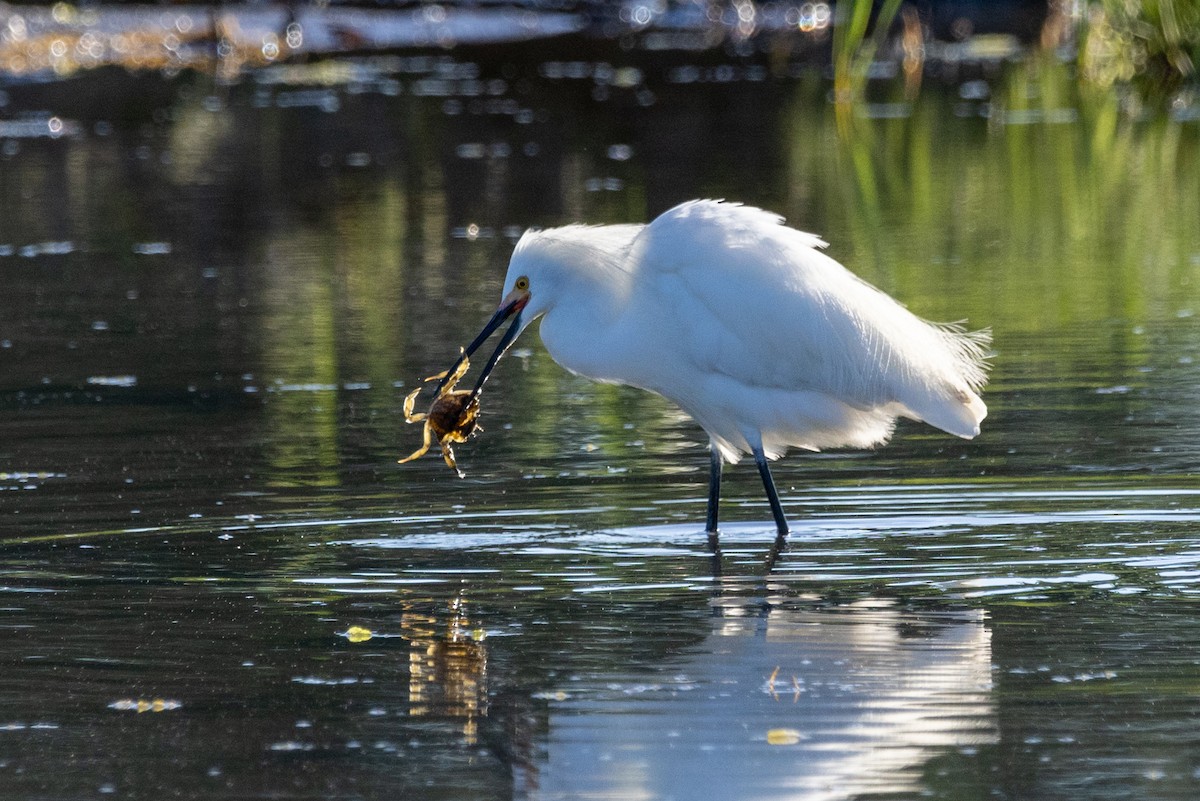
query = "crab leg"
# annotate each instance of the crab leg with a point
(423, 449)
(448, 455)
(459, 372)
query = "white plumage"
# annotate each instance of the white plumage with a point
(745, 324)
(749, 328)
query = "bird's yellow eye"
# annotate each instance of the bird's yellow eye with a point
(522, 283)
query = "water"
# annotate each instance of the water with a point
(215, 582)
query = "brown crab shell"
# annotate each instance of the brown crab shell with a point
(454, 415)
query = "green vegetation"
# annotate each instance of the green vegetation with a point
(1154, 44)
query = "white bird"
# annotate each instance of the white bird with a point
(741, 321)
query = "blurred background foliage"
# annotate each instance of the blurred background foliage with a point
(1154, 44)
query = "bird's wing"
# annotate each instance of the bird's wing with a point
(761, 305)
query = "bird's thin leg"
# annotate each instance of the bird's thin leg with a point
(714, 496)
(764, 470)
(776, 550)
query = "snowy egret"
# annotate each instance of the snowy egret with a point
(741, 321)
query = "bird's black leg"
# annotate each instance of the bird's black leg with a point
(764, 470)
(714, 496)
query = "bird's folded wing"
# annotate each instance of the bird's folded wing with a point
(762, 305)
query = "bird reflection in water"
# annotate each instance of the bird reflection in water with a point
(825, 702)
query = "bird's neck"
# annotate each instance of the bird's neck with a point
(579, 329)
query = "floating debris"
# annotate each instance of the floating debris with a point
(338, 682)
(21, 475)
(357, 634)
(46, 249)
(141, 705)
(152, 248)
(783, 737)
(291, 745)
(112, 380)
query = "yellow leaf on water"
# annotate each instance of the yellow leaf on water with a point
(783, 737)
(358, 634)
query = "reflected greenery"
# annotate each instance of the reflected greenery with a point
(1052, 215)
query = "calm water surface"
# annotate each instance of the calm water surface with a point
(215, 582)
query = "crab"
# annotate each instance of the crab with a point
(452, 417)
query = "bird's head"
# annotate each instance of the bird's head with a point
(546, 267)
(542, 266)
(521, 303)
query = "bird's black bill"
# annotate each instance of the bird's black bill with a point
(505, 341)
(503, 313)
